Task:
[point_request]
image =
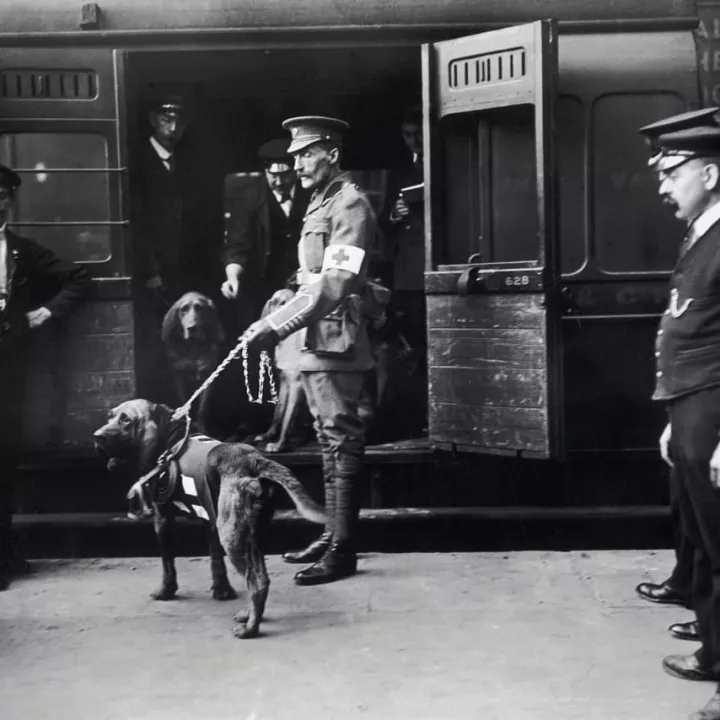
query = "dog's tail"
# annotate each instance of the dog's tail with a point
(279, 474)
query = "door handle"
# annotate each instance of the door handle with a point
(468, 278)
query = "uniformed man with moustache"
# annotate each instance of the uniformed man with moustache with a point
(676, 589)
(330, 310)
(688, 378)
(263, 219)
(37, 288)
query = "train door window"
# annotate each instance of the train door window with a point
(62, 197)
(633, 233)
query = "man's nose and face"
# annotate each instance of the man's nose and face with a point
(280, 178)
(687, 187)
(314, 165)
(168, 128)
(413, 137)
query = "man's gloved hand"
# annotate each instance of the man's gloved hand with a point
(260, 335)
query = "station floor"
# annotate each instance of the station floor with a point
(457, 636)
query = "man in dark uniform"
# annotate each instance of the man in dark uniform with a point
(36, 287)
(263, 219)
(334, 251)
(677, 588)
(158, 183)
(688, 379)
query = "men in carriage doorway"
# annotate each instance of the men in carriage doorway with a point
(334, 251)
(263, 219)
(37, 289)
(687, 162)
(159, 185)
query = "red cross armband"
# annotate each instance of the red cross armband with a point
(343, 257)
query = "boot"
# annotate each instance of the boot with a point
(314, 551)
(337, 563)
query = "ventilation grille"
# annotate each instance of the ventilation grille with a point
(487, 69)
(48, 85)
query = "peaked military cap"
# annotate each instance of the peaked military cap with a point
(9, 179)
(310, 129)
(275, 155)
(413, 115)
(668, 138)
(170, 105)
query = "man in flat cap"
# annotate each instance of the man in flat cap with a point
(36, 288)
(263, 219)
(688, 374)
(160, 184)
(330, 311)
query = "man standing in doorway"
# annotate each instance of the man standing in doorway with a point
(688, 378)
(263, 219)
(36, 288)
(334, 251)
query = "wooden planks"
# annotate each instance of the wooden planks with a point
(76, 376)
(488, 372)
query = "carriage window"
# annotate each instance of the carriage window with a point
(58, 189)
(633, 230)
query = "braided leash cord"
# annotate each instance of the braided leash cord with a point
(240, 349)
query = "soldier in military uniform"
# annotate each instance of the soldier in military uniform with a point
(37, 288)
(329, 309)
(688, 377)
(263, 219)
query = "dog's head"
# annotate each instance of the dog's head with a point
(192, 318)
(136, 433)
(279, 298)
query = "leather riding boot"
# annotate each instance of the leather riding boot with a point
(348, 469)
(337, 563)
(316, 549)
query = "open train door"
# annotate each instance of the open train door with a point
(491, 260)
(62, 115)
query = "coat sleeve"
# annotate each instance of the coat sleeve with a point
(241, 218)
(72, 280)
(352, 224)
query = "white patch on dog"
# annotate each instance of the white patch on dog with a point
(189, 485)
(201, 512)
(182, 506)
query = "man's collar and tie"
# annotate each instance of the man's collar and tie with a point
(701, 225)
(168, 159)
(285, 200)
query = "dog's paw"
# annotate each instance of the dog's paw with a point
(165, 592)
(245, 632)
(224, 592)
(275, 447)
(240, 617)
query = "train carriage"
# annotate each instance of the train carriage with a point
(548, 253)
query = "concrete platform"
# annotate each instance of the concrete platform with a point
(457, 636)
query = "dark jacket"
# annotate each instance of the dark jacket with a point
(249, 206)
(687, 348)
(159, 206)
(38, 277)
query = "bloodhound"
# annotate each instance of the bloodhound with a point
(230, 485)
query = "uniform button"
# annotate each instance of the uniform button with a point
(657, 354)
(660, 332)
(227, 215)
(658, 374)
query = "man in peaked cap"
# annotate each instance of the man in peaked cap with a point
(37, 288)
(329, 309)
(688, 374)
(676, 589)
(263, 219)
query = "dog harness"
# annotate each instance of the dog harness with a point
(181, 485)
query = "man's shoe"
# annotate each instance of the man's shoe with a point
(685, 631)
(335, 564)
(313, 552)
(661, 593)
(687, 667)
(711, 711)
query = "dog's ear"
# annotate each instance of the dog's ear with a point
(171, 331)
(160, 414)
